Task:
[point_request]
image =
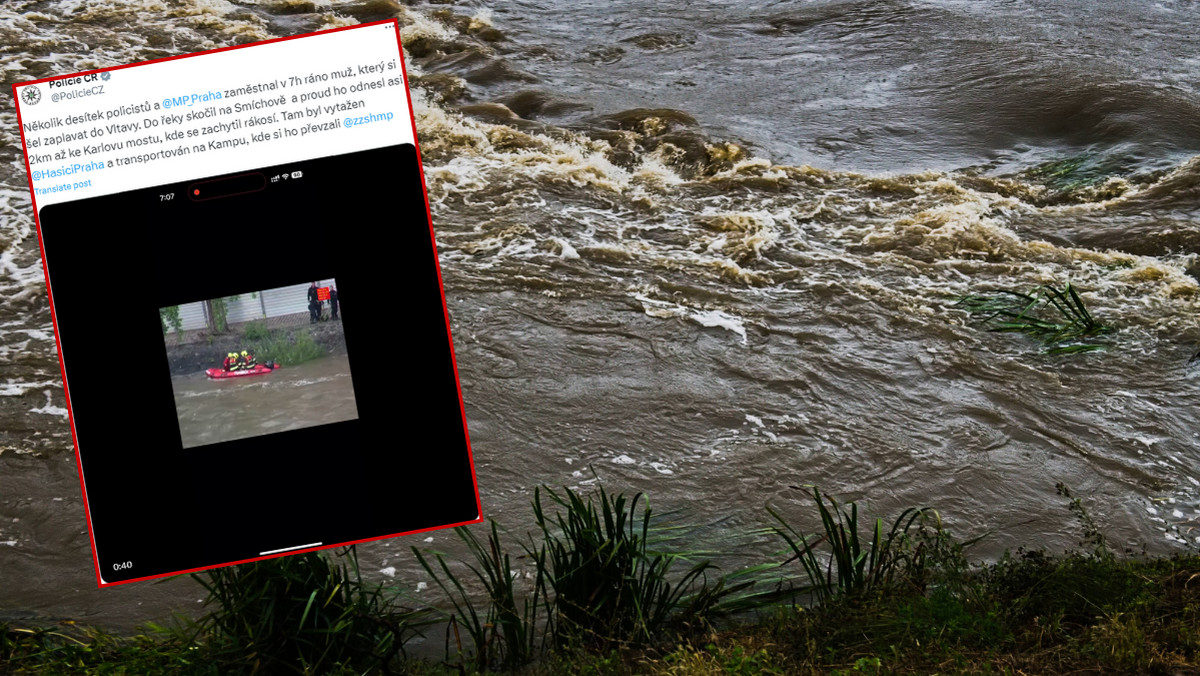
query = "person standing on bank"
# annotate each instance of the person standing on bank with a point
(333, 303)
(314, 304)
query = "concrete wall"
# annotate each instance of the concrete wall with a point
(285, 300)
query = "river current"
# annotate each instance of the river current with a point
(710, 251)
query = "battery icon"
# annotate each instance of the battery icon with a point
(297, 174)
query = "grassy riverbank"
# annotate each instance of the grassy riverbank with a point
(595, 597)
(285, 346)
(288, 345)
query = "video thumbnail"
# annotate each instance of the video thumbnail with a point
(258, 362)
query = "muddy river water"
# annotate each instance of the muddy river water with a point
(214, 410)
(711, 251)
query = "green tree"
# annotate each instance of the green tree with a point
(218, 313)
(169, 317)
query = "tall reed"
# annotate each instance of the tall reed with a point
(853, 566)
(608, 586)
(303, 613)
(595, 581)
(505, 635)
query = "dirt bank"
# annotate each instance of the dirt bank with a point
(198, 356)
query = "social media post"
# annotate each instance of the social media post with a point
(129, 127)
(290, 333)
(225, 406)
(212, 366)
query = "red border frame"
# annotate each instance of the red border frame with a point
(437, 265)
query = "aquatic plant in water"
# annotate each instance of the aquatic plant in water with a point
(303, 613)
(595, 581)
(505, 635)
(608, 585)
(854, 565)
(1056, 317)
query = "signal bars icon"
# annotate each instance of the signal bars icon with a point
(285, 176)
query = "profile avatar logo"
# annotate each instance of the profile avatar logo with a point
(31, 95)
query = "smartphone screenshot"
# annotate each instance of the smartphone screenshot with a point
(247, 302)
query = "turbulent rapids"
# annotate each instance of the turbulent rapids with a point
(711, 257)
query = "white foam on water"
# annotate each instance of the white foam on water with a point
(418, 25)
(754, 419)
(18, 451)
(38, 334)
(718, 318)
(15, 389)
(654, 171)
(50, 408)
(302, 381)
(15, 348)
(707, 318)
(661, 468)
(568, 252)
(748, 233)
(623, 460)
(481, 19)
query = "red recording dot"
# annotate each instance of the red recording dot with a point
(196, 191)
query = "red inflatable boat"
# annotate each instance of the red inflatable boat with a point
(258, 369)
